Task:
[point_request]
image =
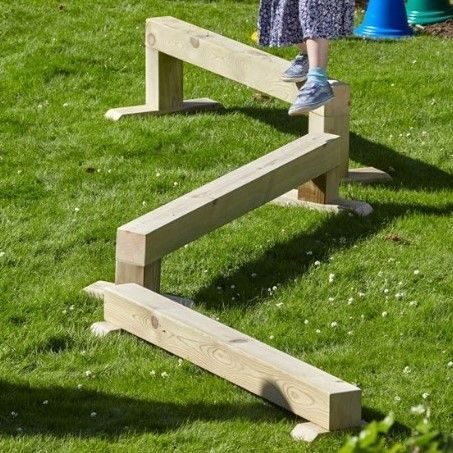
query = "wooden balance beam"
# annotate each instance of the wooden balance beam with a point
(315, 395)
(169, 42)
(143, 242)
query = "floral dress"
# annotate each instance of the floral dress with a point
(286, 22)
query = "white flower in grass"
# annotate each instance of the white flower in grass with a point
(399, 295)
(93, 415)
(425, 395)
(271, 337)
(334, 324)
(407, 370)
(88, 373)
(317, 263)
(233, 286)
(79, 386)
(274, 288)
(380, 274)
(386, 291)
(317, 331)
(418, 410)
(416, 272)
(391, 260)
(384, 314)
(45, 402)
(71, 307)
(219, 288)
(360, 294)
(152, 373)
(14, 414)
(143, 203)
(66, 104)
(450, 364)
(157, 174)
(413, 303)
(180, 361)
(164, 374)
(331, 278)
(76, 209)
(280, 304)
(2, 254)
(350, 332)
(309, 252)
(306, 322)
(175, 184)
(350, 300)
(397, 399)
(362, 316)
(254, 274)
(64, 311)
(331, 299)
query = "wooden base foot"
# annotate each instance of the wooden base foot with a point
(97, 289)
(192, 105)
(366, 175)
(103, 328)
(308, 431)
(360, 208)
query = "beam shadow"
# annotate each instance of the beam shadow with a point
(287, 260)
(68, 412)
(407, 172)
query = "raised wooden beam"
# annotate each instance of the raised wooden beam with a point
(265, 371)
(152, 236)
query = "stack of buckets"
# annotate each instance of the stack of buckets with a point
(388, 19)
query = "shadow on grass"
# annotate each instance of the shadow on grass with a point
(285, 261)
(407, 172)
(69, 411)
(60, 411)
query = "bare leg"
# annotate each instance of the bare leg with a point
(317, 50)
(302, 47)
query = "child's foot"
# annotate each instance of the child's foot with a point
(298, 70)
(311, 96)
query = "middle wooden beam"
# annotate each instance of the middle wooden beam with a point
(152, 236)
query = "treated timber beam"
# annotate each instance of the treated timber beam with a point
(224, 56)
(145, 240)
(265, 371)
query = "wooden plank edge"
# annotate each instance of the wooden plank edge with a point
(191, 105)
(361, 208)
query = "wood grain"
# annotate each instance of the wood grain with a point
(265, 371)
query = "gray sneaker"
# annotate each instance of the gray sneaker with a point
(311, 96)
(298, 70)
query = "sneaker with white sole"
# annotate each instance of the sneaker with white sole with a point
(298, 70)
(311, 96)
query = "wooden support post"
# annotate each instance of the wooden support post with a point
(163, 78)
(265, 371)
(147, 276)
(332, 118)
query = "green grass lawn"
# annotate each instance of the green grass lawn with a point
(69, 178)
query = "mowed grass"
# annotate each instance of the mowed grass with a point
(69, 178)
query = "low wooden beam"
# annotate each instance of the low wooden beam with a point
(223, 56)
(152, 236)
(265, 371)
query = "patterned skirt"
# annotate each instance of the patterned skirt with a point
(286, 22)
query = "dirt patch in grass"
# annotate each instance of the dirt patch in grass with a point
(443, 29)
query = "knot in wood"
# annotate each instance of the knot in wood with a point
(154, 322)
(195, 42)
(151, 39)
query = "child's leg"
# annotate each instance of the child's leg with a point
(317, 49)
